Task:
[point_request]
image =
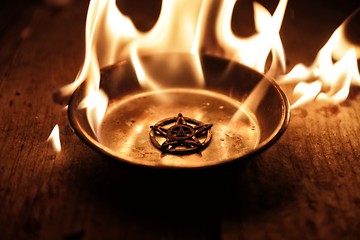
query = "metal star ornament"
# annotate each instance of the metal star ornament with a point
(180, 135)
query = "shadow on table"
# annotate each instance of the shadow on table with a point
(181, 204)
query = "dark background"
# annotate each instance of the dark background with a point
(305, 186)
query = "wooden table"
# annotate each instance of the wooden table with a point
(306, 186)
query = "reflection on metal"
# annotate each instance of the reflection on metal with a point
(182, 135)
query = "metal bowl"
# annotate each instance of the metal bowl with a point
(247, 111)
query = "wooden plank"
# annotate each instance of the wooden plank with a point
(46, 59)
(304, 186)
(14, 17)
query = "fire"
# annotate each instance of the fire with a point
(54, 138)
(182, 27)
(327, 80)
(177, 30)
(112, 37)
(253, 51)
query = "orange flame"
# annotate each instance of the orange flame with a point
(111, 37)
(54, 138)
(255, 50)
(330, 80)
(178, 29)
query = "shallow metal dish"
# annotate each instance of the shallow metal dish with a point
(261, 108)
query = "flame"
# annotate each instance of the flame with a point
(183, 27)
(54, 138)
(178, 29)
(95, 104)
(254, 50)
(111, 36)
(101, 28)
(327, 80)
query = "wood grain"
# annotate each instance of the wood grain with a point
(306, 186)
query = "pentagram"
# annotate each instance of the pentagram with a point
(184, 136)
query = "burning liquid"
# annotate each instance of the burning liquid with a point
(125, 128)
